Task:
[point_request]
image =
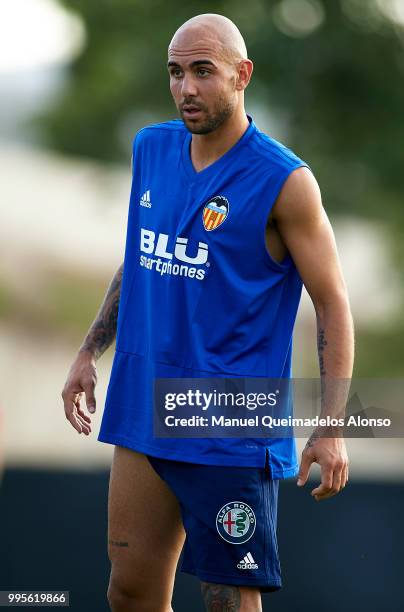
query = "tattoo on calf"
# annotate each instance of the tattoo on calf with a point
(221, 597)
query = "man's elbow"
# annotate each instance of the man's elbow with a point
(336, 302)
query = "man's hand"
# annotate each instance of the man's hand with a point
(331, 455)
(81, 379)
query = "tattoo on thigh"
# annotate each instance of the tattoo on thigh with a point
(117, 543)
(220, 597)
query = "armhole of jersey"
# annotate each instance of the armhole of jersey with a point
(287, 261)
(135, 144)
(128, 281)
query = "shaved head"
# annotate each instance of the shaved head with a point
(209, 70)
(215, 30)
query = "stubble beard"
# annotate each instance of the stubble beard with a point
(223, 110)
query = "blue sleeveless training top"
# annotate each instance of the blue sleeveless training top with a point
(201, 296)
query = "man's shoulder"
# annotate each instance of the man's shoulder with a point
(273, 152)
(155, 131)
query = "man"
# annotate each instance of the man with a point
(225, 225)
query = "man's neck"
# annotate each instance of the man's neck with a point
(207, 148)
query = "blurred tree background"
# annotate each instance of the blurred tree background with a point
(329, 71)
(330, 68)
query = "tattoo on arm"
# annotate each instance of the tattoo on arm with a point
(313, 439)
(321, 344)
(102, 332)
(220, 597)
(329, 431)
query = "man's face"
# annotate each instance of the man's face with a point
(202, 84)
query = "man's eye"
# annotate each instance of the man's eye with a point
(176, 72)
(203, 71)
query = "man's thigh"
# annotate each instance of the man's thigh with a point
(229, 515)
(145, 531)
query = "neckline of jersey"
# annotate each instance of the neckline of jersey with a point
(188, 166)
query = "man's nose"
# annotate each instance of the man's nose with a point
(188, 86)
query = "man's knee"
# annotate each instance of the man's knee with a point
(135, 598)
(229, 598)
(120, 600)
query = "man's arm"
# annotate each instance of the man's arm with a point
(82, 376)
(305, 228)
(103, 330)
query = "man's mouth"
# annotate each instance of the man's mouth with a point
(190, 110)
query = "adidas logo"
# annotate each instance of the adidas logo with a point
(248, 562)
(145, 199)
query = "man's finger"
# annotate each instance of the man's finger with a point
(320, 492)
(323, 494)
(75, 416)
(304, 470)
(69, 406)
(336, 481)
(85, 427)
(90, 397)
(82, 414)
(344, 476)
(326, 482)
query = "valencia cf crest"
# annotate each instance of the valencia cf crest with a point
(235, 522)
(215, 212)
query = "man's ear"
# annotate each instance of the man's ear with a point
(244, 71)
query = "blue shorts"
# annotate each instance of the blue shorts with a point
(229, 515)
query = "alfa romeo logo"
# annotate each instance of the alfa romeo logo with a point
(235, 522)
